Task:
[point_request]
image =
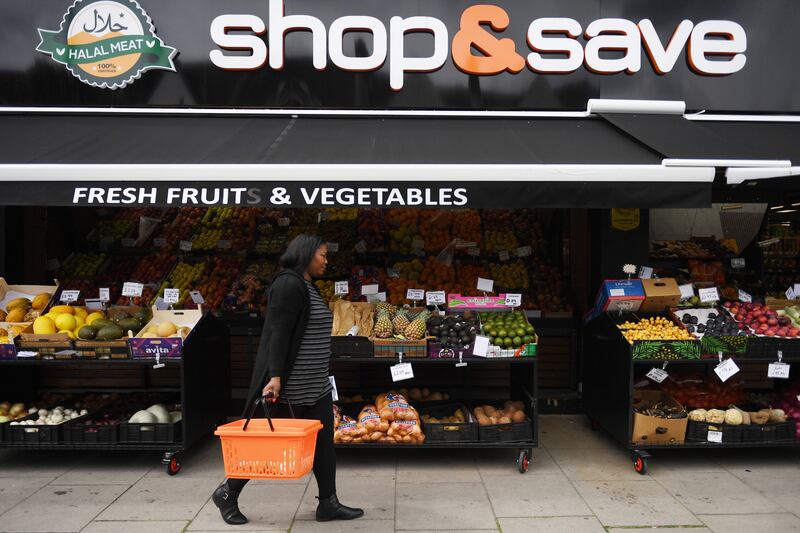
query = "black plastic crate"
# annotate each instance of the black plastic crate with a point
(136, 433)
(770, 432)
(698, 432)
(352, 346)
(88, 432)
(768, 347)
(447, 432)
(33, 434)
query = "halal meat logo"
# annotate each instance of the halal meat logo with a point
(107, 43)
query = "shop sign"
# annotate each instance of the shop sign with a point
(107, 43)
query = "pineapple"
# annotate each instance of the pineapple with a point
(400, 322)
(383, 326)
(416, 329)
(387, 308)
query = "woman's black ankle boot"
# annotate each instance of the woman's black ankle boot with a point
(330, 509)
(227, 500)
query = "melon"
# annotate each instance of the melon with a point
(44, 326)
(143, 417)
(160, 412)
(167, 328)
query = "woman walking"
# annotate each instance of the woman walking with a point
(292, 366)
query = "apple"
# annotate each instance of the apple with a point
(781, 332)
(763, 319)
(763, 327)
(739, 317)
(772, 321)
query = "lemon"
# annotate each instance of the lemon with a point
(80, 321)
(66, 322)
(68, 332)
(81, 312)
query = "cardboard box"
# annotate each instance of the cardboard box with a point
(9, 351)
(660, 294)
(623, 295)
(10, 292)
(656, 430)
(166, 348)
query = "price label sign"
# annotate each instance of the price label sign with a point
(377, 297)
(657, 374)
(524, 251)
(778, 371)
(474, 252)
(132, 290)
(745, 297)
(645, 272)
(283, 222)
(161, 305)
(504, 255)
(366, 290)
(481, 347)
(361, 246)
(790, 294)
(197, 297)
(340, 288)
(401, 371)
(171, 296)
(415, 294)
(709, 295)
(128, 242)
(714, 436)
(737, 262)
(687, 291)
(333, 247)
(186, 246)
(224, 244)
(485, 285)
(105, 294)
(513, 300)
(435, 298)
(726, 369)
(159, 242)
(70, 296)
(93, 304)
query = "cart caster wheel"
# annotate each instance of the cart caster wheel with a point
(640, 464)
(523, 461)
(174, 466)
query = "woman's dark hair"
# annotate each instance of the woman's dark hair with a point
(300, 252)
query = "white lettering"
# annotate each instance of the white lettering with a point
(461, 196)
(617, 35)
(280, 25)
(560, 45)
(664, 58)
(78, 193)
(173, 194)
(309, 199)
(227, 41)
(343, 25)
(399, 64)
(733, 45)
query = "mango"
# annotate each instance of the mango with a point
(18, 303)
(61, 309)
(17, 314)
(41, 301)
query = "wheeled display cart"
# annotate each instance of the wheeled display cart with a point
(201, 377)
(610, 373)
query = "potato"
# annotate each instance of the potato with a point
(518, 416)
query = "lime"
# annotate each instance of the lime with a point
(507, 342)
(520, 332)
(527, 339)
(517, 342)
(502, 333)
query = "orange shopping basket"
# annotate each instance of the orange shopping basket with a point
(271, 448)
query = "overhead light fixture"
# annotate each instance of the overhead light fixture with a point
(786, 211)
(777, 207)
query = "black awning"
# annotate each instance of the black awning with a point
(678, 138)
(51, 159)
(98, 139)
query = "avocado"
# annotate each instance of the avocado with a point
(101, 323)
(86, 333)
(131, 324)
(110, 333)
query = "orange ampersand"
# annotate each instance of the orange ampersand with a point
(499, 54)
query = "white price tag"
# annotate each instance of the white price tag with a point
(366, 290)
(737, 262)
(418, 244)
(171, 296)
(132, 290)
(335, 391)
(393, 272)
(616, 292)
(524, 251)
(714, 436)
(778, 371)
(105, 294)
(361, 246)
(94, 304)
(161, 305)
(159, 242)
(415, 294)
(504, 255)
(474, 252)
(687, 291)
(401, 371)
(283, 222)
(657, 374)
(186, 246)
(726, 369)
(485, 285)
(481, 347)
(435, 298)
(340, 288)
(645, 272)
(709, 295)
(333, 247)
(797, 289)
(378, 297)
(197, 297)
(128, 242)
(70, 296)
(790, 294)
(513, 300)
(224, 244)
(26, 354)
(745, 297)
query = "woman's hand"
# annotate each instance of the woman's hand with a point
(274, 387)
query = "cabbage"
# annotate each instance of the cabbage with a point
(160, 412)
(143, 417)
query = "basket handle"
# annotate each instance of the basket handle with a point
(262, 400)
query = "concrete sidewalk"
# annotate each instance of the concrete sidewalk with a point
(580, 481)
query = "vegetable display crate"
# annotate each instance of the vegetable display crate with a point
(390, 348)
(698, 432)
(352, 346)
(446, 431)
(47, 346)
(435, 351)
(666, 350)
(142, 433)
(726, 344)
(776, 432)
(24, 435)
(8, 351)
(89, 432)
(514, 432)
(118, 349)
(768, 347)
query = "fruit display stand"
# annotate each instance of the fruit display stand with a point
(615, 375)
(199, 378)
